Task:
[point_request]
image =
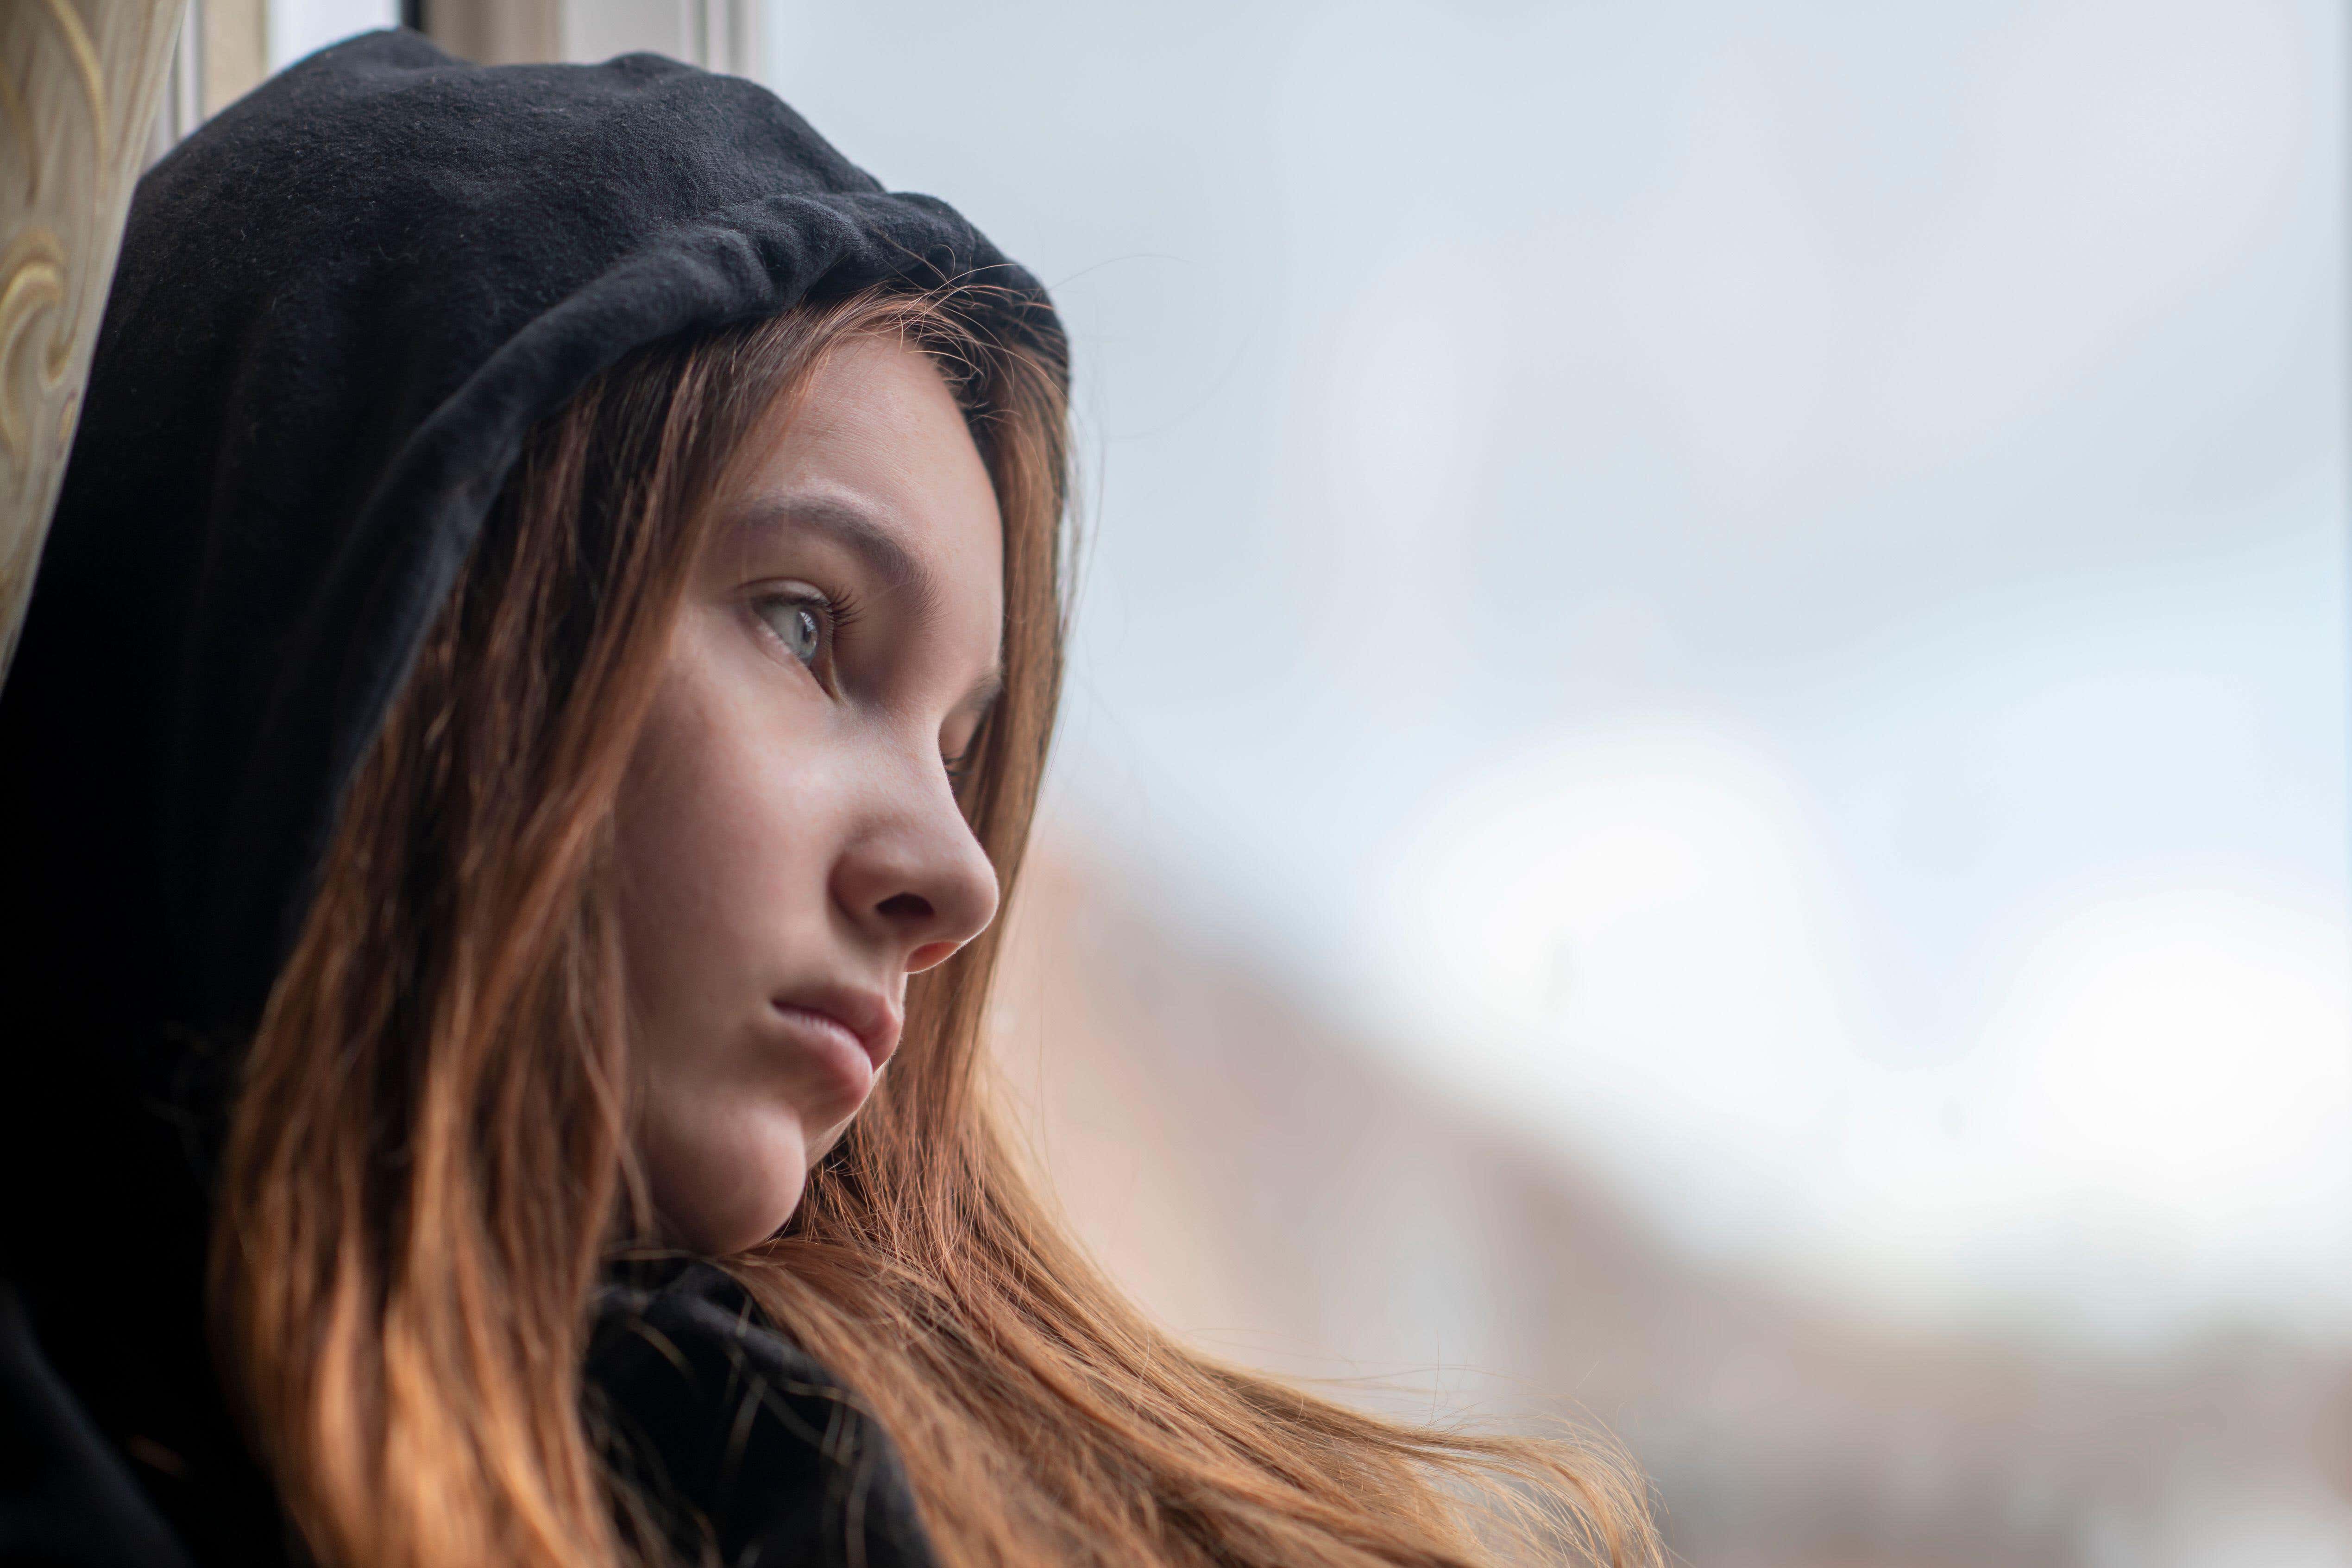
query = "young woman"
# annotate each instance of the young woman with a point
(533, 704)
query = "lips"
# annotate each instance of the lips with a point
(867, 1017)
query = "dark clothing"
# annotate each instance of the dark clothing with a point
(743, 1443)
(339, 308)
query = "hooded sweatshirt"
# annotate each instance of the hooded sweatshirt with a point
(340, 306)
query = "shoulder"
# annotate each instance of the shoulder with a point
(733, 1437)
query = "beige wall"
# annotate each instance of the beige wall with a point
(234, 39)
(718, 34)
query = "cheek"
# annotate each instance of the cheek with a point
(722, 886)
(717, 851)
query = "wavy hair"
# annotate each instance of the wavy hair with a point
(429, 1164)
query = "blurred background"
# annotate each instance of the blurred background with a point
(1704, 787)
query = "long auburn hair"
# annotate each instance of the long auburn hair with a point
(428, 1166)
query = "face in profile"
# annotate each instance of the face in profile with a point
(790, 845)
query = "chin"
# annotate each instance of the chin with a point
(713, 1201)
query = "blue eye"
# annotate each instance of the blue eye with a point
(802, 634)
(800, 624)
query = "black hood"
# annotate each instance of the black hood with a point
(339, 308)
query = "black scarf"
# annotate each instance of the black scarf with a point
(339, 308)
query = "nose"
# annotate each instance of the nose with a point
(913, 880)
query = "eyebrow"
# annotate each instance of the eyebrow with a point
(856, 528)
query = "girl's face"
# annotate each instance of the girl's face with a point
(790, 845)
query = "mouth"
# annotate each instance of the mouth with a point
(865, 1019)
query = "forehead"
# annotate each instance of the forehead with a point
(876, 456)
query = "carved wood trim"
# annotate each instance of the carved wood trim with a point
(79, 81)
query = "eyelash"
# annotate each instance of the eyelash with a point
(838, 612)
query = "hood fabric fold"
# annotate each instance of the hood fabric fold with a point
(339, 308)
